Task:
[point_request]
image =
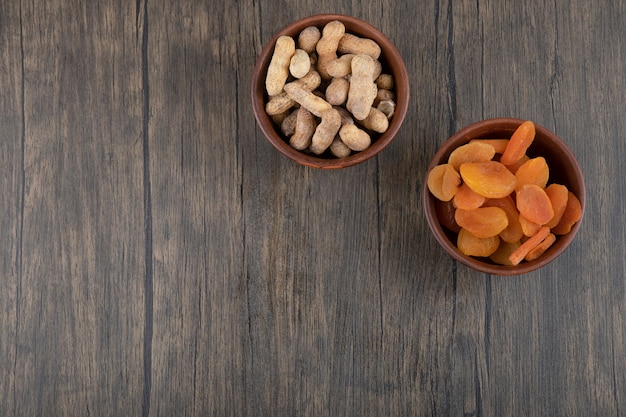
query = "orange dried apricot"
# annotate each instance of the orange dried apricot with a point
(520, 140)
(471, 245)
(443, 182)
(520, 253)
(471, 152)
(501, 255)
(572, 214)
(534, 204)
(534, 171)
(490, 179)
(528, 228)
(499, 145)
(541, 248)
(482, 222)
(558, 195)
(497, 199)
(465, 198)
(515, 166)
(513, 232)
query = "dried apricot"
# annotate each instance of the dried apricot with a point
(490, 179)
(445, 213)
(514, 167)
(501, 255)
(513, 232)
(528, 228)
(467, 199)
(499, 145)
(496, 198)
(443, 182)
(558, 195)
(482, 222)
(534, 171)
(471, 245)
(520, 253)
(471, 152)
(541, 248)
(520, 140)
(534, 204)
(572, 214)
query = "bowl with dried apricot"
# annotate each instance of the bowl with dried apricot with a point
(330, 91)
(504, 196)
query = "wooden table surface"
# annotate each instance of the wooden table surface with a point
(161, 258)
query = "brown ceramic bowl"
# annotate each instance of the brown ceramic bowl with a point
(564, 169)
(392, 63)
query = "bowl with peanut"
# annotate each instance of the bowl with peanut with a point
(504, 196)
(330, 91)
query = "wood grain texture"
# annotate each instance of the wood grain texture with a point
(200, 319)
(161, 258)
(75, 319)
(11, 189)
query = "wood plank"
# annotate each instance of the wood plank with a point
(80, 286)
(419, 281)
(195, 63)
(539, 326)
(11, 189)
(313, 286)
(500, 324)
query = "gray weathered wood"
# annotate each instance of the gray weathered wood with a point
(161, 258)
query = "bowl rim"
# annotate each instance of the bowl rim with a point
(465, 135)
(258, 94)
